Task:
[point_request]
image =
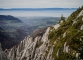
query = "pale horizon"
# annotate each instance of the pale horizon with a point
(40, 3)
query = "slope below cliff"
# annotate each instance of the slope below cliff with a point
(12, 31)
(63, 41)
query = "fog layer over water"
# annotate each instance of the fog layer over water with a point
(46, 13)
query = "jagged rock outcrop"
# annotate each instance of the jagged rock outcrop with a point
(32, 49)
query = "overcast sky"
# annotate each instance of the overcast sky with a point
(40, 3)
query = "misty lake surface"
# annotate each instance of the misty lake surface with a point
(45, 13)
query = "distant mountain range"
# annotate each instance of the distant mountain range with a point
(34, 9)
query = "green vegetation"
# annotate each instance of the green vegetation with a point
(47, 52)
(73, 35)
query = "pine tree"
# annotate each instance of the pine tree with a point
(62, 19)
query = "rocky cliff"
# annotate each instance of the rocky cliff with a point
(63, 41)
(31, 49)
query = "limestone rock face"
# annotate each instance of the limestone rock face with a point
(81, 13)
(31, 49)
(64, 34)
(38, 48)
(56, 26)
(81, 28)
